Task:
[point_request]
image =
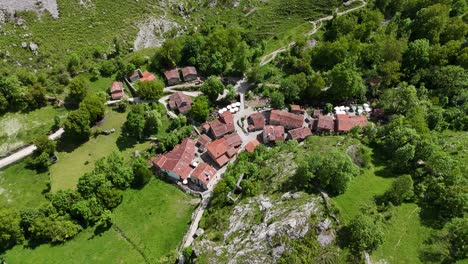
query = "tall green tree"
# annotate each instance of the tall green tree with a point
(346, 82)
(200, 109)
(135, 124)
(212, 88)
(151, 90)
(10, 229)
(94, 105)
(78, 89)
(365, 233)
(77, 125)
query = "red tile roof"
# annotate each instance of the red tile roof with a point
(117, 91)
(226, 146)
(204, 173)
(257, 121)
(297, 109)
(233, 140)
(189, 70)
(147, 76)
(223, 125)
(273, 133)
(172, 74)
(203, 141)
(217, 148)
(326, 123)
(250, 147)
(345, 123)
(181, 102)
(300, 133)
(286, 119)
(177, 160)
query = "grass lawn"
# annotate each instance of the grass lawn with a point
(72, 165)
(361, 192)
(21, 187)
(19, 128)
(154, 219)
(404, 235)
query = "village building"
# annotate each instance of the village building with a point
(172, 77)
(136, 75)
(189, 73)
(117, 91)
(299, 133)
(344, 122)
(176, 163)
(203, 142)
(147, 76)
(273, 134)
(256, 122)
(286, 119)
(223, 125)
(223, 149)
(317, 113)
(180, 102)
(325, 123)
(251, 146)
(202, 175)
(296, 109)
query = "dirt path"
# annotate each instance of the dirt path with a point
(271, 56)
(134, 246)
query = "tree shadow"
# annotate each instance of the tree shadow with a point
(125, 142)
(381, 167)
(99, 230)
(67, 144)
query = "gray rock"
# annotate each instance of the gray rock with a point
(296, 195)
(33, 46)
(24, 45)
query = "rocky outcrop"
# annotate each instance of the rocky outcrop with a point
(260, 227)
(152, 32)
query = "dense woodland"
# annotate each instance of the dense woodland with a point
(408, 58)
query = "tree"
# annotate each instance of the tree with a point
(107, 68)
(90, 183)
(135, 124)
(153, 122)
(63, 200)
(87, 211)
(212, 88)
(142, 174)
(12, 90)
(77, 125)
(35, 96)
(150, 90)
(450, 80)
(78, 89)
(277, 100)
(365, 233)
(200, 109)
(430, 22)
(314, 87)
(44, 144)
(94, 105)
(10, 229)
(417, 54)
(169, 55)
(335, 171)
(115, 170)
(293, 86)
(400, 99)
(400, 191)
(346, 82)
(74, 63)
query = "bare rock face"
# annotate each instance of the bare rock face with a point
(152, 33)
(40, 6)
(260, 227)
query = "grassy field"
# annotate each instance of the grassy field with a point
(72, 165)
(361, 192)
(154, 219)
(21, 187)
(404, 235)
(19, 128)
